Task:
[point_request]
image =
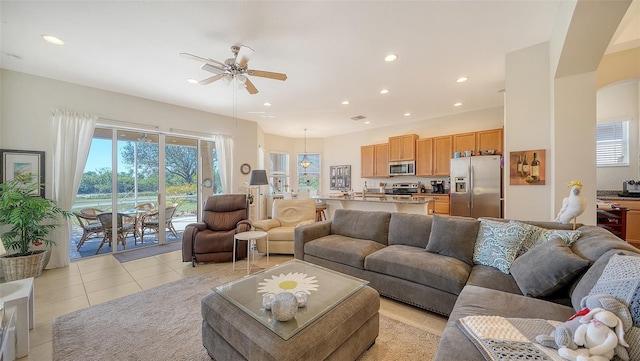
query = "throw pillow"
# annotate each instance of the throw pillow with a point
(621, 279)
(538, 235)
(453, 237)
(498, 243)
(547, 268)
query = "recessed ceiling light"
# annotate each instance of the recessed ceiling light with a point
(462, 79)
(345, 102)
(390, 57)
(367, 122)
(384, 91)
(267, 104)
(407, 114)
(267, 116)
(457, 104)
(52, 39)
(192, 81)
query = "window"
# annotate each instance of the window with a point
(309, 179)
(612, 144)
(279, 172)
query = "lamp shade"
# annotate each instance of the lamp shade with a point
(258, 177)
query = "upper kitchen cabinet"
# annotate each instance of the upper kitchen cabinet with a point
(465, 141)
(424, 157)
(442, 154)
(374, 161)
(367, 161)
(402, 147)
(489, 139)
(381, 152)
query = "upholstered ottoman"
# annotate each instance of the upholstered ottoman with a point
(343, 332)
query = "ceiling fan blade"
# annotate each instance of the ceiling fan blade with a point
(267, 74)
(211, 79)
(244, 54)
(250, 87)
(213, 69)
(203, 60)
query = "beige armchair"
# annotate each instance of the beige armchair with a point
(287, 215)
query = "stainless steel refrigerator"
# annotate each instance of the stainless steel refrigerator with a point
(476, 186)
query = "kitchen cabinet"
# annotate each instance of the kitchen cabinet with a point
(465, 141)
(381, 155)
(402, 147)
(442, 154)
(489, 139)
(367, 161)
(441, 205)
(424, 157)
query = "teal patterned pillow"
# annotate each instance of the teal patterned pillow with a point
(498, 243)
(538, 235)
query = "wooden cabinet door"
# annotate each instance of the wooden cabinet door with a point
(441, 206)
(367, 161)
(381, 152)
(442, 154)
(402, 147)
(465, 141)
(633, 227)
(490, 139)
(424, 157)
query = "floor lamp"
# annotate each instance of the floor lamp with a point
(258, 178)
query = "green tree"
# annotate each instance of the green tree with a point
(180, 161)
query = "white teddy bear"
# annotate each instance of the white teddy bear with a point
(596, 337)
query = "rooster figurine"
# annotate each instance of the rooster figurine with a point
(573, 205)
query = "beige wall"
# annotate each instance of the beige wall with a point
(26, 117)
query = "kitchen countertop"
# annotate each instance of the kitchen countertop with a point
(385, 199)
(613, 195)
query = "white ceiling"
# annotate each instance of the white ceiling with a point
(331, 51)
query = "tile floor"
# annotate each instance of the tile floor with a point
(89, 282)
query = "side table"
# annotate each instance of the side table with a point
(20, 294)
(250, 237)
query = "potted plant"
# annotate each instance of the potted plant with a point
(29, 219)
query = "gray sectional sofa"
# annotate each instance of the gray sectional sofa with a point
(433, 263)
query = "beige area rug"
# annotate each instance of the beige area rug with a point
(164, 323)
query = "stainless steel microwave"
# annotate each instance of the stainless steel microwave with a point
(402, 168)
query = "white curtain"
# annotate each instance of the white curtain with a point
(224, 152)
(73, 134)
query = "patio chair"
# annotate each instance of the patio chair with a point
(90, 226)
(152, 221)
(124, 228)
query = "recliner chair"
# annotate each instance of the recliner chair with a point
(212, 239)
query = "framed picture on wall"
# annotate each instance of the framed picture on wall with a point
(14, 163)
(340, 177)
(527, 167)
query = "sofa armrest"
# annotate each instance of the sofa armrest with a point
(188, 236)
(304, 223)
(266, 224)
(244, 226)
(307, 233)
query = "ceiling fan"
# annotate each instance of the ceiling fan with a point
(235, 67)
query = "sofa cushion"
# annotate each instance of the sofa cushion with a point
(281, 234)
(416, 265)
(362, 225)
(477, 301)
(539, 235)
(410, 229)
(453, 237)
(490, 277)
(595, 241)
(546, 268)
(341, 249)
(498, 243)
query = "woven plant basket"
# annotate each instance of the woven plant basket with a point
(19, 267)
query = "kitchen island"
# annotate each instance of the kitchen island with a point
(632, 217)
(389, 203)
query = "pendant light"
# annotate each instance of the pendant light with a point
(305, 162)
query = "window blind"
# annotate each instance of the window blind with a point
(612, 144)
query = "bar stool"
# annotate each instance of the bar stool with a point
(320, 216)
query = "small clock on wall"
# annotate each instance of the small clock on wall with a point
(207, 183)
(245, 168)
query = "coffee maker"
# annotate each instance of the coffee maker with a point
(437, 186)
